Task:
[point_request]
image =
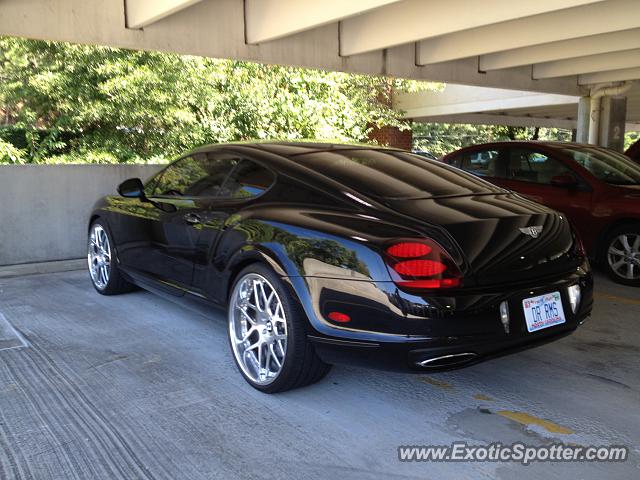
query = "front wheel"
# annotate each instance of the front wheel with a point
(267, 333)
(622, 255)
(103, 268)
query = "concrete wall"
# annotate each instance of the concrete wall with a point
(44, 208)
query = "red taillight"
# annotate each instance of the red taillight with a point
(408, 250)
(429, 267)
(436, 283)
(339, 317)
(419, 268)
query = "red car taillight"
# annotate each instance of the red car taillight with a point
(422, 264)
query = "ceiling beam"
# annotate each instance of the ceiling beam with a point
(604, 17)
(272, 19)
(412, 20)
(419, 107)
(609, 76)
(142, 13)
(587, 64)
(576, 47)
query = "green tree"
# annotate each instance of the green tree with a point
(101, 104)
(630, 138)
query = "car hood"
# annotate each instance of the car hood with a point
(489, 228)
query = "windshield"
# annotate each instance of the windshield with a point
(394, 174)
(606, 165)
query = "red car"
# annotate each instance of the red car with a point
(596, 188)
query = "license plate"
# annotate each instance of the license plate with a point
(543, 311)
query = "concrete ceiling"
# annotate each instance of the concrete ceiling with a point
(570, 111)
(481, 105)
(555, 46)
(552, 50)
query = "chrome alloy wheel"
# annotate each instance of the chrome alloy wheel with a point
(99, 256)
(257, 328)
(624, 256)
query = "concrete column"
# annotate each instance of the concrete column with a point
(595, 107)
(612, 122)
(582, 133)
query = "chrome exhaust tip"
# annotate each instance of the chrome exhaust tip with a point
(447, 360)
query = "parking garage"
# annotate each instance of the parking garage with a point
(138, 387)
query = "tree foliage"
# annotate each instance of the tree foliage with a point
(630, 138)
(101, 104)
(74, 103)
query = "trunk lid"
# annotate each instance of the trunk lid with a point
(504, 237)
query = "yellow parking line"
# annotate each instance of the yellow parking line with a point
(480, 396)
(526, 419)
(436, 383)
(616, 298)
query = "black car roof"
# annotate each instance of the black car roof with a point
(398, 175)
(290, 148)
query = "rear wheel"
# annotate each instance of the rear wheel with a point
(621, 255)
(267, 333)
(103, 269)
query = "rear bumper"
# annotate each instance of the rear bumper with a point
(411, 356)
(413, 333)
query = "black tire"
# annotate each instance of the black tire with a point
(301, 365)
(116, 283)
(632, 230)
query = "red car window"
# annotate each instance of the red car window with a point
(479, 162)
(530, 166)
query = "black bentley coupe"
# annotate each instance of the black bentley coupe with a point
(326, 253)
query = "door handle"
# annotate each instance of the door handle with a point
(192, 219)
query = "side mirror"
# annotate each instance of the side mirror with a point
(132, 188)
(564, 181)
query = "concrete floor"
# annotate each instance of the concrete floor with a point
(135, 387)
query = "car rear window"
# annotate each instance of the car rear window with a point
(393, 174)
(606, 165)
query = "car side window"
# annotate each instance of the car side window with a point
(482, 163)
(198, 175)
(531, 166)
(150, 186)
(247, 180)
